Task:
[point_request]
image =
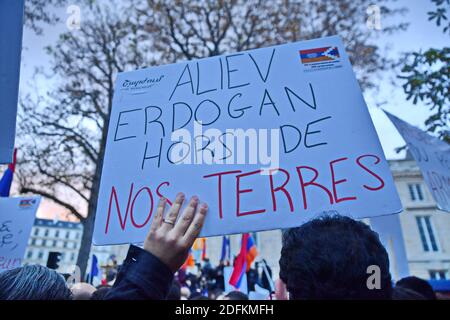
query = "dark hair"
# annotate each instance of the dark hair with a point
(328, 257)
(100, 293)
(199, 297)
(33, 282)
(418, 285)
(175, 291)
(236, 295)
(399, 293)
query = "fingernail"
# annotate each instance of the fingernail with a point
(180, 195)
(195, 198)
(204, 206)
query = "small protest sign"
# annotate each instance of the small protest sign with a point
(16, 220)
(433, 158)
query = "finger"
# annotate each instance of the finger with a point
(172, 215)
(188, 214)
(156, 222)
(196, 225)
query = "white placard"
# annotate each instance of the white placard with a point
(433, 158)
(11, 24)
(16, 220)
(180, 127)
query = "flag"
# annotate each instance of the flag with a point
(189, 261)
(251, 252)
(6, 180)
(319, 55)
(94, 267)
(225, 255)
(240, 264)
(203, 249)
(199, 249)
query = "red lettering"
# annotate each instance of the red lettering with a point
(239, 191)
(159, 193)
(335, 183)
(280, 188)
(311, 183)
(149, 213)
(220, 174)
(358, 161)
(124, 221)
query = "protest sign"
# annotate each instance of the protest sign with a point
(16, 220)
(11, 21)
(390, 231)
(433, 158)
(269, 138)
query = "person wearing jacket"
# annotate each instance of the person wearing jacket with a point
(147, 273)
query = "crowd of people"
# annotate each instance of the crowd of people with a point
(325, 258)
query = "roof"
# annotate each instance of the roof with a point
(57, 224)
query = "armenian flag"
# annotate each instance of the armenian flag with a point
(319, 54)
(251, 252)
(243, 261)
(190, 262)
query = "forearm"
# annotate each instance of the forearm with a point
(141, 277)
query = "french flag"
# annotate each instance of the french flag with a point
(6, 180)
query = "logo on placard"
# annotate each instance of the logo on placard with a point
(140, 84)
(26, 203)
(320, 58)
(319, 55)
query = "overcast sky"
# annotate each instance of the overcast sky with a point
(421, 34)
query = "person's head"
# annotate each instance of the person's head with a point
(199, 297)
(100, 293)
(213, 294)
(418, 285)
(185, 293)
(82, 291)
(33, 282)
(236, 295)
(328, 258)
(399, 293)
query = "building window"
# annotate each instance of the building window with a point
(427, 235)
(46, 233)
(416, 192)
(72, 256)
(77, 236)
(65, 244)
(29, 254)
(54, 243)
(36, 232)
(438, 274)
(57, 234)
(33, 242)
(67, 234)
(40, 255)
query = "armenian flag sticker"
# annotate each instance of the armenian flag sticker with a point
(325, 54)
(27, 203)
